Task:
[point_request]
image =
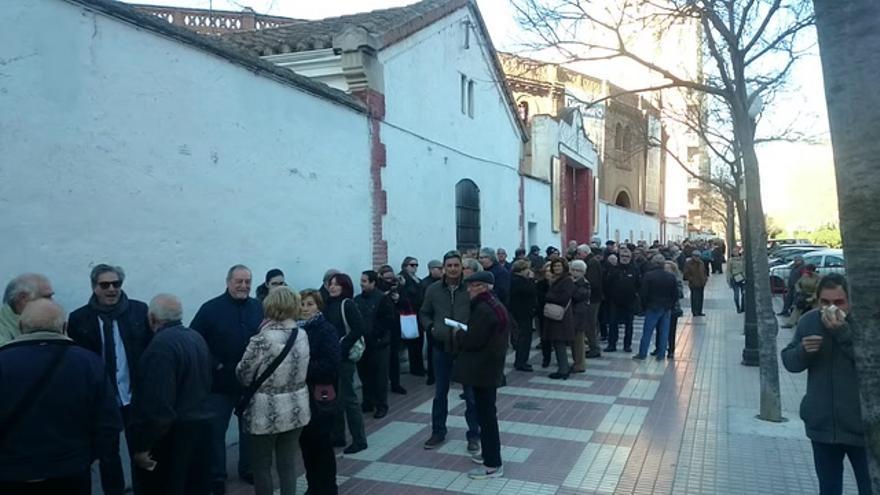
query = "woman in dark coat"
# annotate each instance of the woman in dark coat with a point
(480, 365)
(560, 333)
(542, 285)
(523, 303)
(316, 445)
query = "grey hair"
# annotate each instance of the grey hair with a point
(500, 250)
(27, 283)
(166, 307)
(42, 315)
(471, 264)
(103, 268)
(584, 249)
(578, 265)
(658, 258)
(489, 253)
(234, 268)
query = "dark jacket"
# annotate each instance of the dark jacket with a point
(227, 325)
(623, 285)
(174, 383)
(333, 313)
(324, 355)
(831, 409)
(523, 299)
(411, 292)
(537, 261)
(380, 317)
(580, 304)
(659, 289)
(84, 327)
(794, 275)
(482, 348)
(69, 425)
(595, 277)
(441, 302)
(502, 282)
(695, 273)
(560, 292)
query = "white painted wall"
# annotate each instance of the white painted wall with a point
(538, 211)
(431, 145)
(630, 225)
(122, 146)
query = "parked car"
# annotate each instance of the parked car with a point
(786, 254)
(774, 244)
(825, 261)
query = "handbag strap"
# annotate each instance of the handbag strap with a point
(344, 319)
(256, 384)
(33, 393)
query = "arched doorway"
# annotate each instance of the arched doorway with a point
(623, 200)
(467, 215)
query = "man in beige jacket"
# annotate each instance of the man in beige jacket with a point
(696, 275)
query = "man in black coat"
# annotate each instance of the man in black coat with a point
(379, 316)
(489, 261)
(227, 323)
(659, 292)
(171, 425)
(435, 274)
(594, 276)
(59, 408)
(523, 307)
(622, 291)
(116, 328)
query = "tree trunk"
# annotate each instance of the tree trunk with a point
(750, 320)
(849, 43)
(730, 237)
(771, 402)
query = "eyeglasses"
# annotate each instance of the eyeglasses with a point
(106, 285)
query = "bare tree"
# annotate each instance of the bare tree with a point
(752, 46)
(849, 43)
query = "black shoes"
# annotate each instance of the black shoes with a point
(627, 348)
(593, 354)
(654, 352)
(381, 412)
(367, 408)
(355, 448)
(434, 442)
(545, 363)
(526, 368)
(397, 389)
(610, 349)
(559, 376)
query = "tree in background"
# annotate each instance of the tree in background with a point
(752, 46)
(849, 43)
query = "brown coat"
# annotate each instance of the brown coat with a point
(695, 273)
(560, 292)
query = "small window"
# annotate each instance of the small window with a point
(618, 136)
(813, 260)
(470, 98)
(834, 262)
(464, 99)
(467, 215)
(524, 111)
(627, 139)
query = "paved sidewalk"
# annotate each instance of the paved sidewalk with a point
(685, 427)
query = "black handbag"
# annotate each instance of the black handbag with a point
(255, 385)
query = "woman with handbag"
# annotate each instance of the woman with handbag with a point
(276, 399)
(558, 329)
(319, 459)
(341, 312)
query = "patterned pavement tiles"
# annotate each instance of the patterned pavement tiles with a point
(682, 426)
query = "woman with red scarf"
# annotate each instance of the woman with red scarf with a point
(480, 364)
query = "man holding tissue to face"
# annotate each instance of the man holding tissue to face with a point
(823, 345)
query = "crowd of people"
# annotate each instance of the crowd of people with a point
(284, 362)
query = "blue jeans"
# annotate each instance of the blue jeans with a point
(443, 374)
(659, 319)
(221, 406)
(739, 295)
(828, 459)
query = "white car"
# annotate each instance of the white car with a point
(825, 261)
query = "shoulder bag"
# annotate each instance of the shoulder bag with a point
(555, 312)
(255, 385)
(357, 349)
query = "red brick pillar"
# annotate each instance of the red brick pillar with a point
(375, 102)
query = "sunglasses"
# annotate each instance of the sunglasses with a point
(106, 285)
(414, 264)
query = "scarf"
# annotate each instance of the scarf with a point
(109, 313)
(318, 318)
(497, 308)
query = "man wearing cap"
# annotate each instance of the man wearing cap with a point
(480, 366)
(444, 299)
(435, 274)
(552, 253)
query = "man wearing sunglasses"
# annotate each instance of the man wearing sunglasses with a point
(117, 329)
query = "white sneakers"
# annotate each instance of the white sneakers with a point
(485, 473)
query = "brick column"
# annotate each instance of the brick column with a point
(375, 102)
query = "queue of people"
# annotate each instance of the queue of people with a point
(282, 364)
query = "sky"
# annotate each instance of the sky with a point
(793, 175)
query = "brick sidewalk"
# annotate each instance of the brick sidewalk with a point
(685, 427)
